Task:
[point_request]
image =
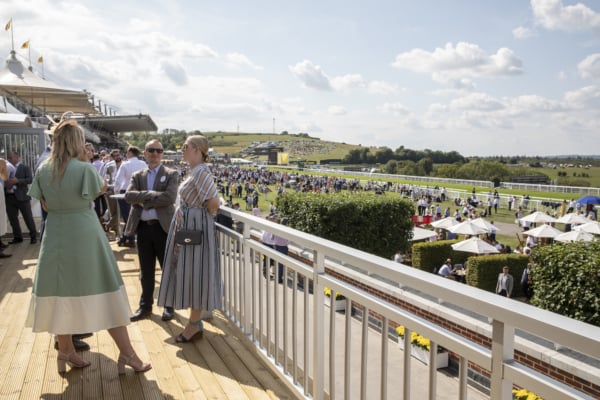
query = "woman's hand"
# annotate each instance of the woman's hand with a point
(43, 203)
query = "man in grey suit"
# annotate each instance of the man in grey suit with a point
(18, 200)
(151, 194)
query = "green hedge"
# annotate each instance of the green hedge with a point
(482, 271)
(566, 280)
(377, 224)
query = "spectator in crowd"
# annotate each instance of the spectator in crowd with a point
(151, 194)
(133, 164)
(66, 184)
(3, 219)
(17, 199)
(504, 285)
(192, 274)
(526, 283)
(446, 269)
(281, 245)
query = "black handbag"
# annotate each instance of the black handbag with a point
(188, 237)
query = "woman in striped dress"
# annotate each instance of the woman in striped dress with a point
(192, 273)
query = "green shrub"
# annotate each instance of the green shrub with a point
(483, 271)
(566, 279)
(377, 224)
(428, 256)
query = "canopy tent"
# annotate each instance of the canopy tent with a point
(589, 227)
(468, 228)
(574, 236)
(538, 216)
(589, 200)
(21, 85)
(422, 234)
(485, 224)
(543, 231)
(475, 245)
(15, 120)
(445, 223)
(119, 123)
(572, 218)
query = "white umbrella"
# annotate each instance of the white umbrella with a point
(445, 223)
(538, 216)
(420, 234)
(543, 231)
(572, 218)
(484, 224)
(475, 245)
(589, 227)
(574, 236)
(468, 228)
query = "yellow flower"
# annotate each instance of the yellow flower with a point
(338, 296)
(400, 331)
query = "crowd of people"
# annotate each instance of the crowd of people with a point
(170, 221)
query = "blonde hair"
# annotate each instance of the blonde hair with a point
(68, 143)
(201, 143)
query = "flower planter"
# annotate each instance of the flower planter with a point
(441, 358)
(339, 305)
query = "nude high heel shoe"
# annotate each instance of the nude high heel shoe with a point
(63, 359)
(134, 362)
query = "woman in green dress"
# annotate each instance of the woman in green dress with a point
(77, 286)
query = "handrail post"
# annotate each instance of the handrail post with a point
(503, 349)
(318, 326)
(247, 292)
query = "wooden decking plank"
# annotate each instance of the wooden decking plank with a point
(18, 366)
(215, 363)
(273, 385)
(34, 379)
(107, 360)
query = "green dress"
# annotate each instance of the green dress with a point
(77, 287)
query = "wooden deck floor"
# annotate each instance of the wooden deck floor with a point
(219, 366)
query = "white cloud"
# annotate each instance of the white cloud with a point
(589, 67)
(553, 15)
(175, 72)
(311, 75)
(350, 81)
(394, 108)
(463, 61)
(523, 33)
(585, 98)
(336, 110)
(381, 87)
(240, 60)
(476, 101)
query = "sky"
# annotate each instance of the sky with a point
(484, 78)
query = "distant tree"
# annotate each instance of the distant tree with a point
(284, 132)
(391, 167)
(425, 166)
(383, 155)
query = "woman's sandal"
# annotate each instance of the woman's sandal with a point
(72, 359)
(182, 339)
(133, 361)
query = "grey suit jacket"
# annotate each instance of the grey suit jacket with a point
(25, 177)
(161, 197)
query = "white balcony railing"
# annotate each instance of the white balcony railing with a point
(325, 354)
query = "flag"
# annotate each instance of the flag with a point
(40, 59)
(25, 45)
(7, 27)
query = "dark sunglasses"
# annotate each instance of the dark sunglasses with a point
(159, 151)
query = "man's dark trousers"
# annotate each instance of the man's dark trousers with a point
(151, 245)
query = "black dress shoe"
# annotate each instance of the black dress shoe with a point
(82, 335)
(33, 241)
(15, 240)
(4, 255)
(79, 345)
(141, 313)
(168, 314)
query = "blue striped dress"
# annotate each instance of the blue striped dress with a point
(192, 273)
